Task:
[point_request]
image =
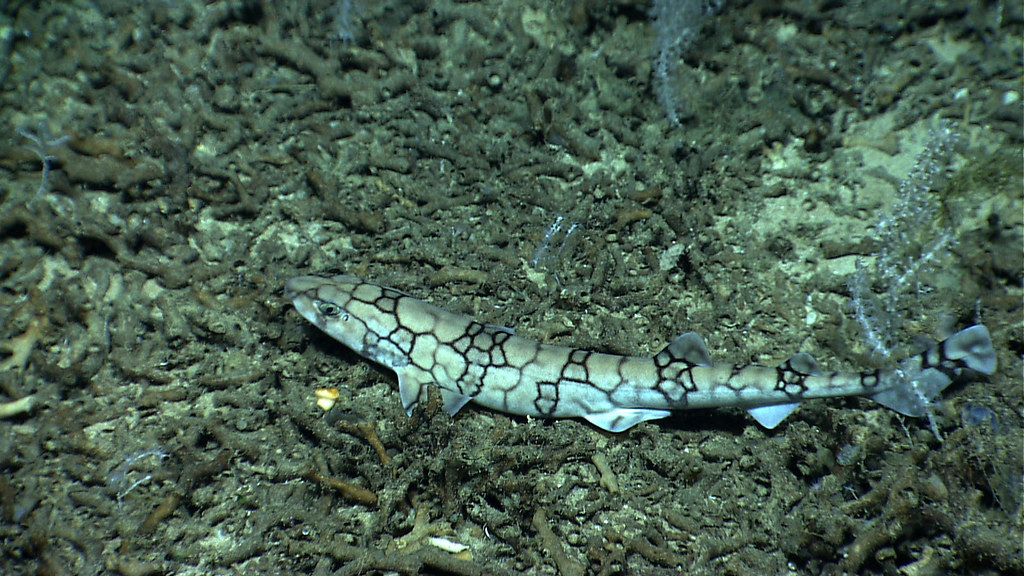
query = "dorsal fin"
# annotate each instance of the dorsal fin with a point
(803, 363)
(689, 348)
(497, 328)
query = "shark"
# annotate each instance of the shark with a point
(492, 366)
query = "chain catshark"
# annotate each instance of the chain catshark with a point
(490, 365)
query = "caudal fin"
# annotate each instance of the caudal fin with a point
(923, 376)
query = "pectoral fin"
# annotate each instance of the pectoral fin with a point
(410, 387)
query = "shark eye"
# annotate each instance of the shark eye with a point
(329, 309)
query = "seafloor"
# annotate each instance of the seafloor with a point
(167, 165)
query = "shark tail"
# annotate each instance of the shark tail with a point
(923, 376)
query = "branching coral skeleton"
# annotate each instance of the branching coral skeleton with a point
(43, 144)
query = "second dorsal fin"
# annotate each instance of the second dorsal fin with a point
(803, 363)
(689, 348)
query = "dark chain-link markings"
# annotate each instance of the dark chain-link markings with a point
(490, 365)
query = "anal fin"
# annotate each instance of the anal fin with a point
(770, 416)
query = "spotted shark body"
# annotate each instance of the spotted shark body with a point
(493, 367)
